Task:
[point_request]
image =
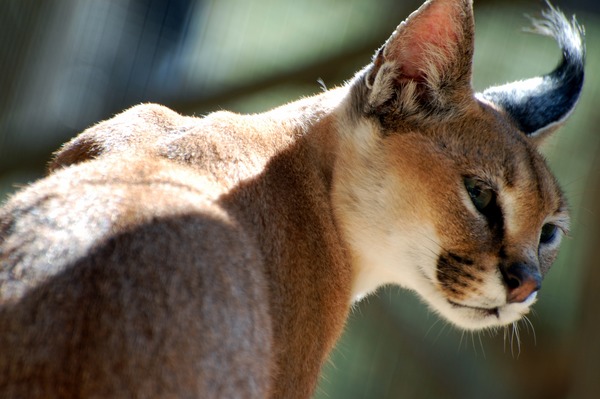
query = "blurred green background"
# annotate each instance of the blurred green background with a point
(65, 64)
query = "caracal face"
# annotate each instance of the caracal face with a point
(456, 217)
(443, 190)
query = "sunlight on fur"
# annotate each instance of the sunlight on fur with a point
(219, 256)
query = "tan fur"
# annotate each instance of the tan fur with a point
(270, 211)
(217, 257)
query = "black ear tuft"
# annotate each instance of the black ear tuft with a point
(537, 105)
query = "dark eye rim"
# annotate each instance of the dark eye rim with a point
(492, 211)
(475, 187)
(548, 233)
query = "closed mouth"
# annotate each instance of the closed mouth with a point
(484, 311)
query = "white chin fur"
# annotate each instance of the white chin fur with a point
(382, 263)
(476, 319)
(473, 317)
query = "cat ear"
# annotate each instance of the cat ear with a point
(541, 104)
(426, 62)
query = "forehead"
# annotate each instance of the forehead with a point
(483, 143)
(497, 142)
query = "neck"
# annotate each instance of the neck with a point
(305, 259)
(310, 121)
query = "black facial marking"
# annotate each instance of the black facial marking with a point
(460, 259)
(454, 273)
(492, 212)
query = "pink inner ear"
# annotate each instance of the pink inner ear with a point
(427, 40)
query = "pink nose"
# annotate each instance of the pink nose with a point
(521, 281)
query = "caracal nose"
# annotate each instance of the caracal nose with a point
(521, 281)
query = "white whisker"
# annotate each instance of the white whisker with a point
(505, 335)
(517, 338)
(441, 331)
(462, 335)
(435, 323)
(529, 323)
(481, 344)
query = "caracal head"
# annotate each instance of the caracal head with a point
(443, 190)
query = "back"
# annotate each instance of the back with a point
(136, 293)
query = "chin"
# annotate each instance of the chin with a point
(479, 318)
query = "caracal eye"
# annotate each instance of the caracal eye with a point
(480, 194)
(548, 232)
